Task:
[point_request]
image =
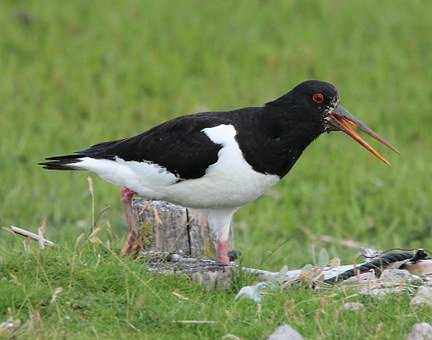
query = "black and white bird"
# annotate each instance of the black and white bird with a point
(219, 161)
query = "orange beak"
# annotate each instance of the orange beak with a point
(341, 120)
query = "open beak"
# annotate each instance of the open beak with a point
(341, 120)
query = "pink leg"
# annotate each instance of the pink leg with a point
(222, 248)
(126, 198)
(220, 223)
(132, 244)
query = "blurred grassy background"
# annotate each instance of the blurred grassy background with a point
(80, 72)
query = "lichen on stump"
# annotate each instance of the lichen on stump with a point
(165, 227)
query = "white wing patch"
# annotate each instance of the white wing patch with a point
(222, 134)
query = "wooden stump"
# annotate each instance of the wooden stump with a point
(176, 240)
(164, 227)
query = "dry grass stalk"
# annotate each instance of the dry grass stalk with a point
(29, 235)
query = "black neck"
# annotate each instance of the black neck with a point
(280, 140)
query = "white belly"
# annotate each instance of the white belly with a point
(219, 189)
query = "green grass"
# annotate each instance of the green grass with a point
(107, 296)
(79, 72)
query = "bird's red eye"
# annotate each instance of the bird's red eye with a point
(318, 97)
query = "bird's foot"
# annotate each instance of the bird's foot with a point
(225, 256)
(234, 255)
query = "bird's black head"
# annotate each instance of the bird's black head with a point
(313, 107)
(309, 102)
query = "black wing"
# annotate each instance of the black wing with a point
(178, 145)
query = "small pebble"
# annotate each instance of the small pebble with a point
(423, 297)
(353, 306)
(285, 332)
(420, 331)
(174, 257)
(252, 292)
(9, 326)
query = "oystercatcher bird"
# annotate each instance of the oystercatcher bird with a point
(219, 161)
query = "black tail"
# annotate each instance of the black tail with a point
(60, 162)
(66, 162)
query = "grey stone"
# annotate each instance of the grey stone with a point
(422, 297)
(285, 332)
(420, 331)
